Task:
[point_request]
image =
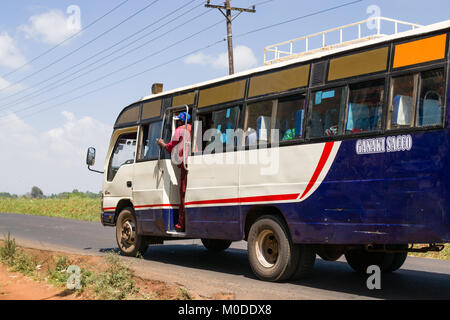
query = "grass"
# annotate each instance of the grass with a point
(16, 258)
(78, 208)
(443, 255)
(110, 280)
(183, 294)
(116, 282)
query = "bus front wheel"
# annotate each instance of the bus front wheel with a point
(271, 253)
(128, 240)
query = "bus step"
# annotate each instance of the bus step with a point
(176, 233)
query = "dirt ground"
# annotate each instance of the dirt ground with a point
(16, 286)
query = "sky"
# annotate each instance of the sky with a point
(67, 68)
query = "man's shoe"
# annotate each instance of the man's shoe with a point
(179, 228)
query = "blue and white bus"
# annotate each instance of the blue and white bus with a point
(360, 164)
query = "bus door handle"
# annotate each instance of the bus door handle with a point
(129, 184)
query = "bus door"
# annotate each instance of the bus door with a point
(170, 173)
(148, 181)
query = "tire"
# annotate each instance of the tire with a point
(271, 253)
(214, 245)
(129, 242)
(307, 258)
(360, 260)
(399, 259)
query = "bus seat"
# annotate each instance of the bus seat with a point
(263, 128)
(358, 117)
(251, 138)
(431, 113)
(402, 106)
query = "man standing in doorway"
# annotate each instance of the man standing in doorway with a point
(183, 131)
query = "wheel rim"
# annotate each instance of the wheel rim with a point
(128, 233)
(267, 248)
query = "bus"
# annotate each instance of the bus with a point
(341, 150)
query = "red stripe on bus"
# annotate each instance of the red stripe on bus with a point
(282, 197)
(157, 205)
(323, 160)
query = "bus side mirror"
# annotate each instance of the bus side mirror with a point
(90, 158)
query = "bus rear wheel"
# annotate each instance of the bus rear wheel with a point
(271, 253)
(399, 258)
(129, 241)
(360, 260)
(215, 245)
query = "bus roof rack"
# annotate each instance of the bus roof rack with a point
(305, 45)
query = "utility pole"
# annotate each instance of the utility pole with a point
(228, 9)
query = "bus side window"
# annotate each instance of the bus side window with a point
(123, 153)
(403, 102)
(289, 118)
(219, 127)
(365, 107)
(327, 109)
(258, 122)
(149, 150)
(431, 103)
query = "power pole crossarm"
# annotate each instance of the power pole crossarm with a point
(231, 8)
(228, 9)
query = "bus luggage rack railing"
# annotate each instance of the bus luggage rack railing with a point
(287, 50)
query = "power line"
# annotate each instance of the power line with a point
(169, 61)
(83, 46)
(58, 83)
(64, 41)
(298, 18)
(124, 79)
(122, 68)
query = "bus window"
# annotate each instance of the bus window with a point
(149, 150)
(258, 122)
(289, 118)
(403, 102)
(327, 109)
(431, 104)
(123, 153)
(365, 107)
(220, 122)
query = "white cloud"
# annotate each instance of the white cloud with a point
(7, 87)
(51, 27)
(10, 55)
(55, 159)
(244, 59)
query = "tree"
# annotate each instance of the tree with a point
(36, 193)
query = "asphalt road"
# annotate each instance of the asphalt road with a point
(189, 264)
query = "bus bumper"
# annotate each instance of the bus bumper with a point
(107, 219)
